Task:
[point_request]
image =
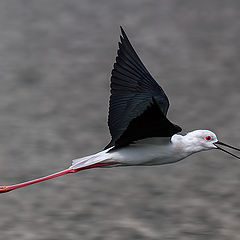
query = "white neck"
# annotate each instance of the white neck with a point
(187, 143)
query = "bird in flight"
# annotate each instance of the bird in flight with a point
(141, 132)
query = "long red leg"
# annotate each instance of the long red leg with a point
(4, 189)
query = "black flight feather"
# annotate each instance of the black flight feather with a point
(138, 105)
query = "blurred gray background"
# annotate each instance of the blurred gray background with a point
(55, 62)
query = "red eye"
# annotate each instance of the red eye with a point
(208, 138)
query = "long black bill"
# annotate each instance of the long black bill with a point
(226, 145)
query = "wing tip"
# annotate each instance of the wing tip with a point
(121, 29)
(124, 35)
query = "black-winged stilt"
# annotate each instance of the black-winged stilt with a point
(141, 133)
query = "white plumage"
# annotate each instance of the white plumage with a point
(141, 133)
(153, 151)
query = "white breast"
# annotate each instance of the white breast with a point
(153, 151)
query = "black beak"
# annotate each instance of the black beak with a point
(226, 145)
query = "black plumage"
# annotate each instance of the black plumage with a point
(138, 105)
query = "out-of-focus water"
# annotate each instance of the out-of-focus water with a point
(55, 63)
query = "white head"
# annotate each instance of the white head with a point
(202, 140)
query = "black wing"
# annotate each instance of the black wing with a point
(138, 105)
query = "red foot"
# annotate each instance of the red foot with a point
(4, 189)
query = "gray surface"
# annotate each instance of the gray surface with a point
(55, 63)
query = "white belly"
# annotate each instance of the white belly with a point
(152, 151)
(148, 152)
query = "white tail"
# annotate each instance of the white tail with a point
(101, 157)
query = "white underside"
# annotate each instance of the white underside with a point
(152, 151)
